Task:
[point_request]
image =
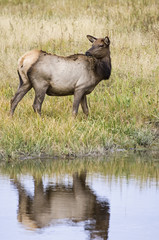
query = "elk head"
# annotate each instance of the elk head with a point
(100, 47)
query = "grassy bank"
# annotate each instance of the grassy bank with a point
(124, 111)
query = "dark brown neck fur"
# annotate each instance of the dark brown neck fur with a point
(103, 68)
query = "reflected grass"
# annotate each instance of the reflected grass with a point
(141, 167)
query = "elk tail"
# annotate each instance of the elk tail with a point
(20, 79)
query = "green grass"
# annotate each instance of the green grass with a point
(124, 111)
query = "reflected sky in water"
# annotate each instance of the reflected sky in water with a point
(79, 206)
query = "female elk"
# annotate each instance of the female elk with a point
(61, 76)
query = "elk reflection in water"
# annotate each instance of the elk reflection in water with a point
(76, 203)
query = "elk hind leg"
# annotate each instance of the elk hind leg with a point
(39, 98)
(22, 90)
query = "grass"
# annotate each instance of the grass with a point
(124, 111)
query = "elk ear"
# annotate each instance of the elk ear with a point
(107, 41)
(91, 38)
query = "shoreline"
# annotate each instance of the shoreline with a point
(73, 156)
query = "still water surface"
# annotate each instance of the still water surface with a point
(115, 198)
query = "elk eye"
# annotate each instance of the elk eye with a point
(101, 45)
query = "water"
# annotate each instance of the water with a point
(113, 198)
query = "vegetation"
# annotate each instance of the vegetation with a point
(124, 111)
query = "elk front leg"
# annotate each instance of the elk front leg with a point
(84, 105)
(77, 99)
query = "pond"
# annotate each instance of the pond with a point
(114, 197)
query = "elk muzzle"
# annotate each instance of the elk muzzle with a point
(88, 54)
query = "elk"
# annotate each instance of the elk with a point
(54, 75)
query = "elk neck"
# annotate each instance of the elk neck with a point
(103, 67)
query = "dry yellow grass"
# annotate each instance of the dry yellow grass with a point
(127, 103)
